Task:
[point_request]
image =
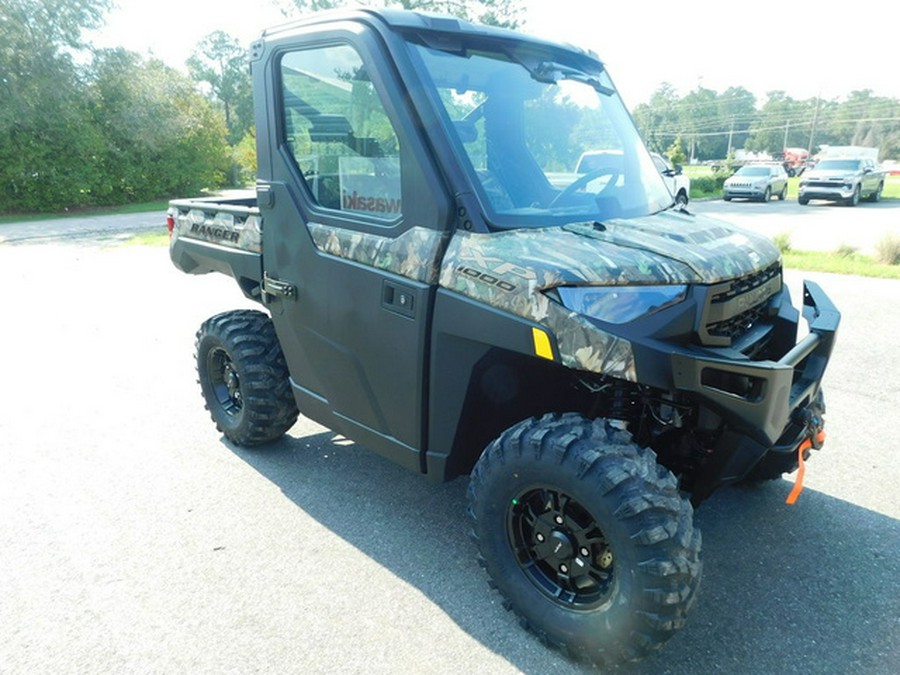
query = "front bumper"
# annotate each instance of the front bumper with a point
(745, 191)
(760, 397)
(768, 406)
(831, 193)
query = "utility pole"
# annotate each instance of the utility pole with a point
(730, 135)
(787, 125)
(812, 133)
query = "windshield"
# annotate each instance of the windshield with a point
(543, 143)
(753, 171)
(838, 165)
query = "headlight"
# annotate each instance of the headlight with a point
(620, 304)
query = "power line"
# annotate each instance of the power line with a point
(690, 131)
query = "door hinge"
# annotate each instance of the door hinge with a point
(278, 288)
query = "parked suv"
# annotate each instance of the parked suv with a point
(843, 179)
(757, 181)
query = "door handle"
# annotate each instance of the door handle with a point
(398, 298)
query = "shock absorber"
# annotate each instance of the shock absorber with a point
(623, 403)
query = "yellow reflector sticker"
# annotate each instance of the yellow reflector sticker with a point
(542, 343)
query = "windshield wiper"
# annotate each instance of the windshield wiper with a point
(551, 72)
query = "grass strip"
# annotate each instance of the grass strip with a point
(838, 263)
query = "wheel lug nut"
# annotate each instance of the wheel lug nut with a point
(539, 537)
(564, 569)
(559, 520)
(584, 552)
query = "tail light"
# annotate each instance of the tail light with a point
(170, 224)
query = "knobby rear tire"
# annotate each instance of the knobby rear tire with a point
(244, 377)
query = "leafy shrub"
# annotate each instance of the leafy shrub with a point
(705, 186)
(122, 129)
(846, 250)
(782, 241)
(887, 251)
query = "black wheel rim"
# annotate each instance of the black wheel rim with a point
(224, 381)
(560, 548)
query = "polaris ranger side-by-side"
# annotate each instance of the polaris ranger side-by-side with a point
(440, 285)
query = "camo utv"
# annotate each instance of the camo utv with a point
(438, 283)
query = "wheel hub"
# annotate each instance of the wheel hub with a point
(225, 381)
(561, 548)
(232, 382)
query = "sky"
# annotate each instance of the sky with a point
(762, 46)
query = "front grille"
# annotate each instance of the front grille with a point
(736, 326)
(824, 183)
(746, 284)
(735, 307)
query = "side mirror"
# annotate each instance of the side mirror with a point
(678, 169)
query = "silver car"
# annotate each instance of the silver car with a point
(757, 181)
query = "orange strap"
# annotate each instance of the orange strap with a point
(801, 466)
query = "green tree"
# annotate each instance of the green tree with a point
(504, 13)
(702, 125)
(221, 62)
(47, 145)
(658, 120)
(781, 123)
(675, 152)
(864, 119)
(49, 24)
(114, 129)
(736, 112)
(162, 137)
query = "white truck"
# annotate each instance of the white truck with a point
(679, 184)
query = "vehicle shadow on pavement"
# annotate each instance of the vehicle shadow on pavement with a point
(811, 588)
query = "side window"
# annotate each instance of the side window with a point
(338, 132)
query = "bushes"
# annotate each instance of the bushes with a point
(782, 241)
(121, 130)
(887, 250)
(708, 186)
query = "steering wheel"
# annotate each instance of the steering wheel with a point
(581, 181)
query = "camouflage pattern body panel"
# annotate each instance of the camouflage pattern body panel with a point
(414, 254)
(508, 270)
(583, 346)
(233, 229)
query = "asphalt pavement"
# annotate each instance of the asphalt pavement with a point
(818, 226)
(133, 538)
